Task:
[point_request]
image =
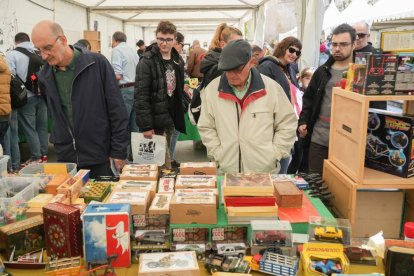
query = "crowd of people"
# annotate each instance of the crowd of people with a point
(258, 113)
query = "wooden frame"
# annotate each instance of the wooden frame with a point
(94, 38)
(397, 37)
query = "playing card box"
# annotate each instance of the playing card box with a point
(198, 168)
(106, 232)
(140, 167)
(63, 230)
(169, 263)
(98, 192)
(138, 199)
(139, 175)
(144, 185)
(166, 185)
(161, 204)
(195, 181)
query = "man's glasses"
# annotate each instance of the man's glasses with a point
(361, 35)
(340, 45)
(47, 48)
(293, 50)
(165, 40)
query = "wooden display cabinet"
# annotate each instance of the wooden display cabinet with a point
(94, 38)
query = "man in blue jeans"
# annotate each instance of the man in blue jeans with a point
(124, 61)
(32, 118)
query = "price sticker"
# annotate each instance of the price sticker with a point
(178, 234)
(139, 220)
(218, 234)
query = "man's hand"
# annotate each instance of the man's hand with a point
(119, 163)
(148, 134)
(303, 131)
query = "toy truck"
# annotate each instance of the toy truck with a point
(221, 263)
(232, 250)
(272, 263)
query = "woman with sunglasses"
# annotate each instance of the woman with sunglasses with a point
(278, 67)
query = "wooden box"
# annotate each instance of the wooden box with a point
(189, 210)
(26, 236)
(53, 184)
(40, 200)
(140, 167)
(139, 175)
(161, 204)
(195, 181)
(71, 189)
(34, 211)
(198, 168)
(98, 192)
(63, 229)
(169, 263)
(139, 200)
(287, 194)
(144, 185)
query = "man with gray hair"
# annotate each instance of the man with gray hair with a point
(247, 122)
(193, 68)
(124, 61)
(362, 30)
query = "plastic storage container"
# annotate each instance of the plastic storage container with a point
(38, 170)
(3, 165)
(15, 192)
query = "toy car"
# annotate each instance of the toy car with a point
(356, 253)
(200, 252)
(272, 249)
(329, 232)
(221, 263)
(150, 237)
(232, 250)
(327, 267)
(254, 261)
(270, 237)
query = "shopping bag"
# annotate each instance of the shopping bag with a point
(148, 151)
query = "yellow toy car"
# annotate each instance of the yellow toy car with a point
(329, 232)
(254, 261)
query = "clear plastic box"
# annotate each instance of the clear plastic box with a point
(330, 230)
(3, 165)
(15, 192)
(271, 233)
(38, 170)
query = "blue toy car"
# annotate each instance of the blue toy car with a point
(326, 266)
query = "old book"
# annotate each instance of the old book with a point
(248, 184)
(400, 261)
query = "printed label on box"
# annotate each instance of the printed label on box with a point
(166, 185)
(141, 167)
(198, 164)
(178, 234)
(193, 198)
(161, 202)
(128, 197)
(172, 261)
(139, 173)
(218, 234)
(135, 184)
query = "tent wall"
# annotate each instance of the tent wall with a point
(133, 33)
(202, 37)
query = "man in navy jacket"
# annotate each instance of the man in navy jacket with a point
(89, 115)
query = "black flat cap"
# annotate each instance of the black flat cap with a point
(236, 53)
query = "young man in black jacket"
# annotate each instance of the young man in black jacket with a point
(314, 121)
(159, 84)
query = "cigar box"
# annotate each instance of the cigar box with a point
(199, 195)
(26, 236)
(97, 192)
(34, 211)
(63, 229)
(139, 175)
(198, 191)
(198, 168)
(166, 185)
(138, 199)
(144, 185)
(195, 181)
(169, 263)
(140, 167)
(106, 232)
(53, 184)
(188, 210)
(288, 194)
(161, 204)
(40, 200)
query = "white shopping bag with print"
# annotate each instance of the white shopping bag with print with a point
(148, 151)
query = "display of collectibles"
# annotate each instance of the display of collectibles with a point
(106, 233)
(331, 230)
(390, 143)
(377, 75)
(196, 181)
(198, 168)
(150, 186)
(268, 235)
(404, 84)
(191, 239)
(172, 264)
(230, 240)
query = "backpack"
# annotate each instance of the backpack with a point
(35, 64)
(194, 109)
(18, 92)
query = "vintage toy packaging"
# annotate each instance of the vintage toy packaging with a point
(271, 233)
(390, 143)
(138, 199)
(249, 201)
(170, 263)
(193, 209)
(299, 181)
(63, 229)
(98, 192)
(404, 84)
(208, 192)
(377, 76)
(60, 198)
(140, 167)
(161, 204)
(40, 200)
(248, 184)
(166, 185)
(331, 230)
(195, 181)
(198, 168)
(144, 185)
(168, 173)
(231, 236)
(25, 236)
(319, 258)
(106, 233)
(191, 239)
(139, 175)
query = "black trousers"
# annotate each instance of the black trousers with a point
(299, 162)
(98, 170)
(317, 154)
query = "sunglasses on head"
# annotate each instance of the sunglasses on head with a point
(292, 50)
(361, 35)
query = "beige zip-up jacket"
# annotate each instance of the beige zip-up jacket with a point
(249, 139)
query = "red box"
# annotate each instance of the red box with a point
(63, 230)
(247, 201)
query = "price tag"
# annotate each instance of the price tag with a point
(139, 220)
(178, 234)
(218, 234)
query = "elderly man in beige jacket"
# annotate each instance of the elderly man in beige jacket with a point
(247, 123)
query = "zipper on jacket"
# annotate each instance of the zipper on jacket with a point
(71, 108)
(238, 128)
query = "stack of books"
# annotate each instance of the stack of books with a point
(249, 196)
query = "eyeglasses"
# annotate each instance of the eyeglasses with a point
(361, 35)
(165, 40)
(47, 48)
(293, 50)
(182, 44)
(340, 45)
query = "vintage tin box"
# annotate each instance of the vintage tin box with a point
(97, 192)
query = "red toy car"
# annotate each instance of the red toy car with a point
(356, 253)
(270, 237)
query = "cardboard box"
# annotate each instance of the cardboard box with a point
(140, 167)
(171, 263)
(248, 184)
(191, 239)
(225, 235)
(149, 186)
(40, 200)
(161, 204)
(139, 175)
(166, 185)
(150, 224)
(390, 143)
(34, 211)
(181, 192)
(287, 194)
(138, 199)
(71, 188)
(56, 182)
(195, 181)
(404, 83)
(377, 77)
(198, 168)
(188, 210)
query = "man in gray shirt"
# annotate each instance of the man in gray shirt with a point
(314, 121)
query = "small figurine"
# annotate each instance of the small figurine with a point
(97, 263)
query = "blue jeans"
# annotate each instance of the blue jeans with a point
(33, 123)
(174, 139)
(11, 143)
(128, 96)
(4, 126)
(284, 164)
